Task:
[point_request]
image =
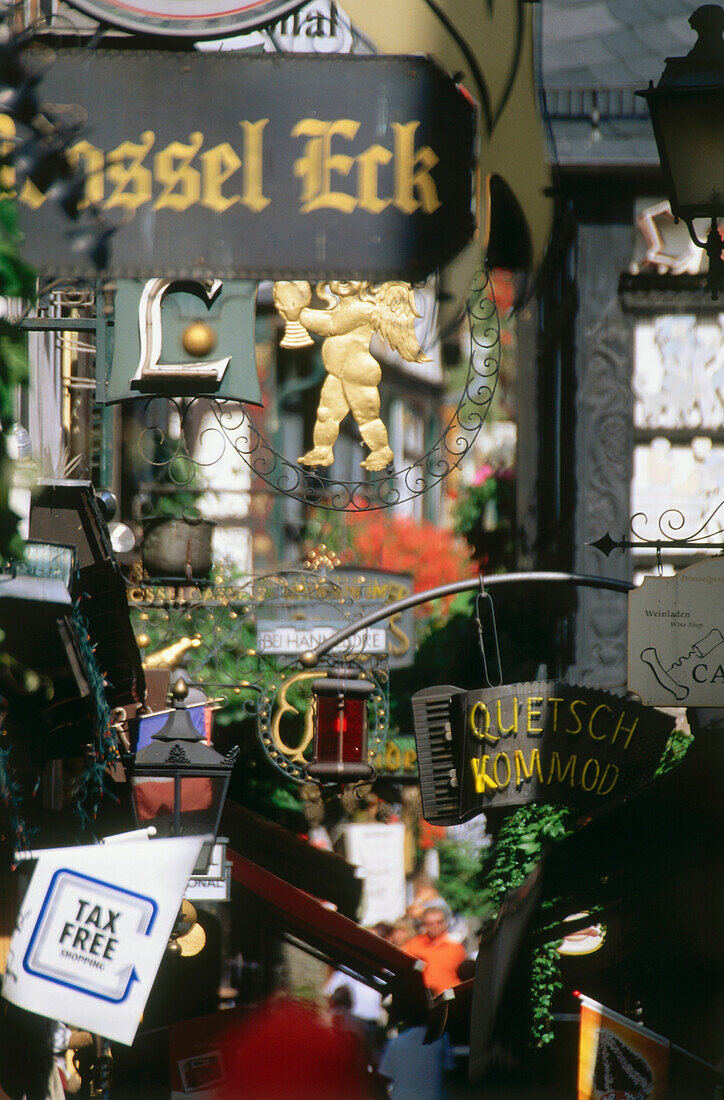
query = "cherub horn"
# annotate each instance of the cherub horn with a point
(295, 336)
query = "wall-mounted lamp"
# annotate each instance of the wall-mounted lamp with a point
(179, 782)
(340, 728)
(687, 114)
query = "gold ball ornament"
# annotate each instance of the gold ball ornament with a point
(199, 339)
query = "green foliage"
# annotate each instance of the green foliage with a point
(517, 850)
(545, 983)
(176, 493)
(676, 749)
(16, 281)
(459, 878)
(493, 496)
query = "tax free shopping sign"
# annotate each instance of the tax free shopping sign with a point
(92, 929)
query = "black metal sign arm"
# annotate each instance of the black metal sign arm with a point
(312, 656)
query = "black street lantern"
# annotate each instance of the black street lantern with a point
(687, 114)
(340, 728)
(179, 782)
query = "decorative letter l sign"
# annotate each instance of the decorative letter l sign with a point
(165, 331)
(150, 374)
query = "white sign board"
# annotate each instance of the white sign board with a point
(378, 851)
(215, 885)
(676, 637)
(93, 927)
(279, 637)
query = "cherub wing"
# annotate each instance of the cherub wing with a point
(396, 315)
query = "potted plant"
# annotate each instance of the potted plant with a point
(177, 540)
(484, 515)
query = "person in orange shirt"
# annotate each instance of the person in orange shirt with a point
(441, 955)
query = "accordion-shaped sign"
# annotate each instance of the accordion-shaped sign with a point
(543, 741)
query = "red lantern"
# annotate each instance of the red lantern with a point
(340, 728)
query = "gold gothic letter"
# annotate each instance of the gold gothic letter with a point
(130, 175)
(172, 168)
(252, 195)
(408, 177)
(316, 166)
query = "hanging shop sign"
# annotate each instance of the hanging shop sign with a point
(92, 930)
(543, 741)
(275, 637)
(186, 18)
(182, 338)
(301, 623)
(676, 637)
(215, 884)
(372, 589)
(221, 165)
(397, 758)
(378, 853)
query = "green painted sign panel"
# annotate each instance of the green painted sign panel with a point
(154, 319)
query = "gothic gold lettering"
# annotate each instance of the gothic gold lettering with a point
(133, 182)
(93, 165)
(368, 178)
(217, 166)
(181, 182)
(7, 172)
(402, 644)
(393, 757)
(252, 195)
(412, 172)
(285, 707)
(315, 168)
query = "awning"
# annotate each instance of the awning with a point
(323, 874)
(302, 919)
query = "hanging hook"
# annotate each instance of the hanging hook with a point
(659, 560)
(492, 632)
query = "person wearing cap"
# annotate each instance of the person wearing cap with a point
(433, 946)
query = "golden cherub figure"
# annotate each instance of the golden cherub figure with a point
(356, 310)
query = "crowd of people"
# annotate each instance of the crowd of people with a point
(349, 1047)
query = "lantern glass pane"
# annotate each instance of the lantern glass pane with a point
(691, 127)
(340, 731)
(199, 801)
(354, 735)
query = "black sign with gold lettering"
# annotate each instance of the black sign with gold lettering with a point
(544, 741)
(218, 165)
